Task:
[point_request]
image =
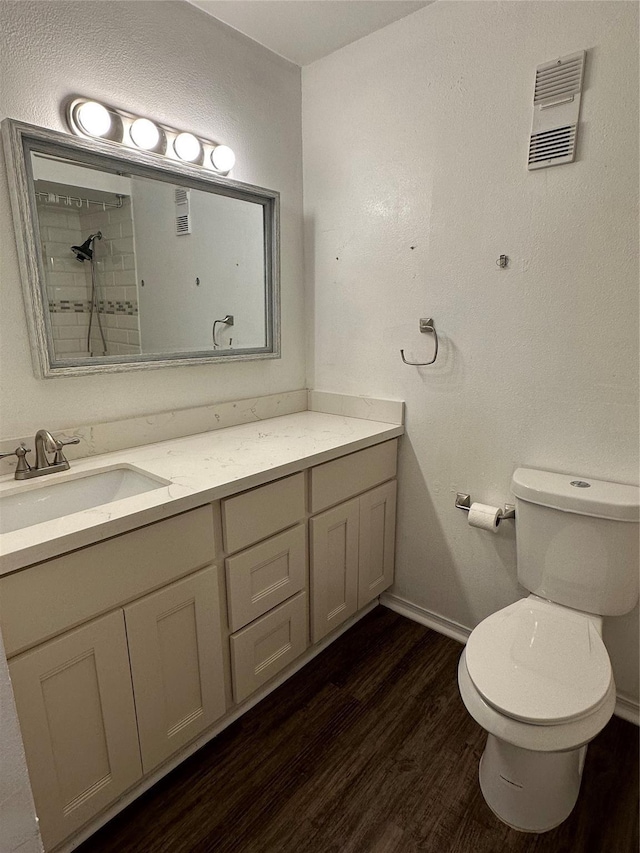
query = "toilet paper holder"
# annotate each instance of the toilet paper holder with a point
(463, 502)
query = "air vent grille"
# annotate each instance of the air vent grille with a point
(183, 211)
(559, 81)
(552, 145)
(182, 225)
(556, 110)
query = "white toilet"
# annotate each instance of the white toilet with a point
(536, 674)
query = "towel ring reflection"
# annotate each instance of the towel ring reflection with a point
(426, 325)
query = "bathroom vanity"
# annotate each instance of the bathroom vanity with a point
(149, 596)
(137, 630)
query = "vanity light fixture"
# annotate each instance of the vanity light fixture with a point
(89, 118)
(188, 147)
(145, 134)
(94, 118)
(223, 158)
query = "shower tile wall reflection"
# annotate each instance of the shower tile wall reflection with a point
(67, 286)
(63, 224)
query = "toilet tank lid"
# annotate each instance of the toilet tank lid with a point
(582, 495)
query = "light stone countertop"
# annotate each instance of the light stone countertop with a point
(201, 468)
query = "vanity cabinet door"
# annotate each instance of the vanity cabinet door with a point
(377, 542)
(175, 647)
(75, 705)
(334, 567)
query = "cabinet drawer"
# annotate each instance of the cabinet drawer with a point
(254, 515)
(266, 575)
(101, 577)
(267, 646)
(342, 478)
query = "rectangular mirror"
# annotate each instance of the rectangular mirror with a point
(130, 260)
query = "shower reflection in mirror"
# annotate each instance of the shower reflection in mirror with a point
(83, 253)
(89, 261)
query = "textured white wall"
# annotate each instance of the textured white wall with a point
(171, 62)
(415, 144)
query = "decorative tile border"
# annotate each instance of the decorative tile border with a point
(108, 307)
(67, 306)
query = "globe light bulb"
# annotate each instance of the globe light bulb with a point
(187, 147)
(145, 134)
(223, 158)
(94, 118)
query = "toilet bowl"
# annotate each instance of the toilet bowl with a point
(536, 674)
(537, 677)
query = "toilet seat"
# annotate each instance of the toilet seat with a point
(557, 738)
(539, 663)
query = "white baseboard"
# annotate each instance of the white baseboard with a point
(425, 617)
(626, 707)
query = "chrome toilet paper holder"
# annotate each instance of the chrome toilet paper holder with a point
(463, 502)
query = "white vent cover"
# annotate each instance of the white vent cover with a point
(556, 109)
(183, 211)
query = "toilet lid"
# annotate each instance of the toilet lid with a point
(538, 662)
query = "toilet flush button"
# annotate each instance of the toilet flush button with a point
(580, 484)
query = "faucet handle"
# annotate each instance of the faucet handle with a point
(21, 454)
(60, 443)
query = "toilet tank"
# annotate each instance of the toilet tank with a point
(577, 540)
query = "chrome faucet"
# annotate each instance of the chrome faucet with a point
(45, 443)
(43, 440)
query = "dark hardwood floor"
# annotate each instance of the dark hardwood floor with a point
(367, 750)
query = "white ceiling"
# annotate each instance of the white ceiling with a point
(305, 30)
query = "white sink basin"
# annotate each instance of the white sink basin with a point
(40, 501)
